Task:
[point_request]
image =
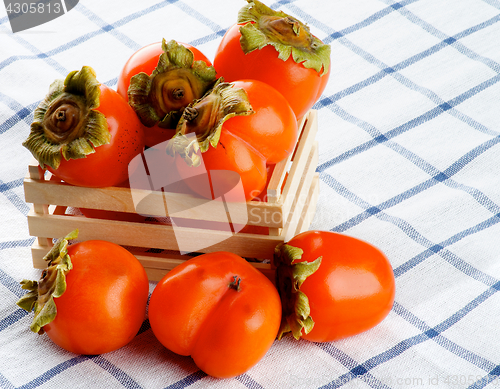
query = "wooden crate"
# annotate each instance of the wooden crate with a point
(292, 193)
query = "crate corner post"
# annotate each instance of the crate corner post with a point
(41, 245)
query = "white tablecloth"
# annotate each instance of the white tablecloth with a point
(409, 133)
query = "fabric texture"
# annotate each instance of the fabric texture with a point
(409, 161)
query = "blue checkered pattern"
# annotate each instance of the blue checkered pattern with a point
(409, 133)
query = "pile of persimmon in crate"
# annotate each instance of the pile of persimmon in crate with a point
(148, 165)
(201, 177)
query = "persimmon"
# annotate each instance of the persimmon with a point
(91, 299)
(332, 286)
(278, 49)
(218, 309)
(84, 132)
(159, 80)
(240, 127)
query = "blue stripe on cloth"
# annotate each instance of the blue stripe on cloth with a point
(20, 113)
(427, 167)
(111, 83)
(493, 377)
(16, 243)
(280, 3)
(457, 316)
(208, 38)
(493, 3)
(454, 40)
(123, 378)
(14, 317)
(53, 372)
(372, 210)
(470, 156)
(5, 383)
(435, 333)
(71, 44)
(188, 380)
(448, 172)
(360, 25)
(451, 258)
(11, 284)
(51, 53)
(248, 381)
(412, 232)
(360, 370)
(198, 16)
(431, 114)
(431, 95)
(112, 29)
(6, 188)
(367, 378)
(443, 105)
(37, 54)
(475, 193)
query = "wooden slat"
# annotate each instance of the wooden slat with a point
(120, 200)
(156, 275)
(153, 235)
(301, 198)
(37, 173)
(300, 161)
(276, 181)
(156, 265)
(309, 210)
(281, 168)
(275, 231)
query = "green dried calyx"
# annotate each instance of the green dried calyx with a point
(291, 272)
(65, 123)
(178, 79)
(263, 26)
(52, 284)
(201, 123)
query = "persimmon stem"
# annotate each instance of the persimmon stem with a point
(291, 272)
(159, 98)
(190, 113)
(66, 124)
(262, 26)
(235, 283)
(52, 284)
(61, 116)
(178, 94)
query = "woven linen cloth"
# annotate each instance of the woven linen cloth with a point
(409, 161)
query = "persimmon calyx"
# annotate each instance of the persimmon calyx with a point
(290, 275)
(66, 124)
(52, 284)
(262, 26)
(176, 81)
(201, 122)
